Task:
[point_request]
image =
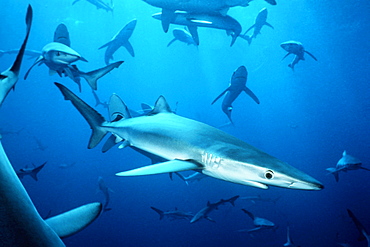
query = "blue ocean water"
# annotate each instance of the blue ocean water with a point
(307, 118)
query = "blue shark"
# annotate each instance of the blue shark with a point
(364, 234)
(259, 223)
(182, 35)
(203, 213)
(120, 39)
(20, 223)
(346, 163)
(190, 145)
(259, 198)
(193, 21)
(9, 77)
(31, 171)
(237, 85)
(99, 4)
(257, 26)
(173, 214)
(296, 48)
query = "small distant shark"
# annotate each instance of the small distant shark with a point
(253, 199)
(174, 214)
(346, 163)
(289, 242)
(196, 176)
(193, 21)
(98, 101)
(203, 213)
(182, 35)
(9, 77)
(257, 26)
(259, 223)
(105, 190)
(296, 48)
(237, 85)
(20, 223)
(31, 171)
(99, 4)
(209, 150)
(120, 39)
(58, 56)
(364, 234)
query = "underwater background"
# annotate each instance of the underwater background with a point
(307, 118)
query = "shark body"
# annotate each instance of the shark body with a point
(259, 198)
(9, 77)
(261, 20)
(99, 4)
(120, 39)
(190, 145)
(193, 21)
(173, 214)
(182, 35)
(203, 213)
(346, 163)
(296, 48)
(30, 171)
(259, 223)
(237, 85)
(20, 223)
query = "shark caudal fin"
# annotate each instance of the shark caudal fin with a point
(160, 212)
(93, 76)
(75, 220)
(334, 171)
(36, 171)
(232, 200)
(94, 119)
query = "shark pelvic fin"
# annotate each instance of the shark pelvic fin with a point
(168, 166)
(94, 119)
(75, 220)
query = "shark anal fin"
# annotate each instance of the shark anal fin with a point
(165, 167)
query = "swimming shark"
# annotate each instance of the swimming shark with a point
(99, 4)
(173, 214)
(105, 190)
(98, 101)
(20, 223)
(203, 213)
(196, 176)
(259, 223)
(193, 21)
(9, 77)
(257, 26)
(190, 145)
(259, 198)
(120, 39)
(237, 85)
(27, 52)
(346, 163)
(296, 48)
(31, 171)
(182, 35)
(364, 234)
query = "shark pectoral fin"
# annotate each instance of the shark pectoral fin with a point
(210, 219)
(2, 77)
(39, 61)
(193, 30)
(364, 168)
(168, 166)
(170, 43)
(107, 44)
(249, 29)
(129, 48)
(268, 24)
(167, 17)
(251, 94)
(311, 55)
(75, 220)
(285, 56)
(220, 95)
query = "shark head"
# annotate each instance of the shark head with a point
(60, 54)
(294, 47)
(240, 73)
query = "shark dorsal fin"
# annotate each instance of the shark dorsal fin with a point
(118, 109)
(161, 106)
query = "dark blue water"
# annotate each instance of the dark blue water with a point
(307, 118)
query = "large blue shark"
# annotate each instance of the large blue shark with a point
(257, 26)
(120, 39)
(20, 223)
(190, 145)
(237, 85)
(296, 48)
(9, 77)
(193, 21)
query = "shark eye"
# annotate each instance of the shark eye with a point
(269, 174)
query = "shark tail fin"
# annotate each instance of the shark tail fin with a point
(75, 220)
(334, 172)
(160, 212)
(94, 119)
(232, 200)
(36, 171)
